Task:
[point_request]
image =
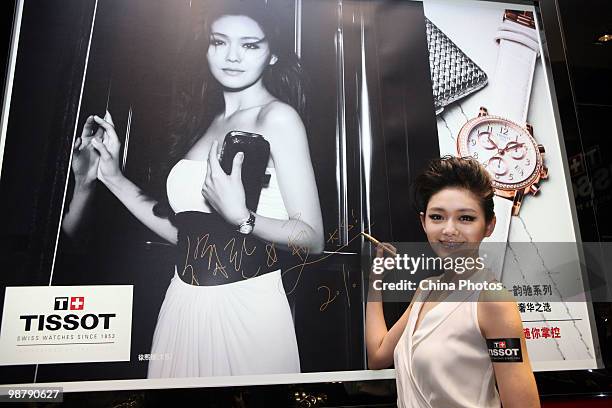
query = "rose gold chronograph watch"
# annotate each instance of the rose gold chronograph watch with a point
(508, 151)
(499, 137)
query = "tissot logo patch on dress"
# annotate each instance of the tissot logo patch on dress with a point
(505, 350)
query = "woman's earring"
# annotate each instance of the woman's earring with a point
(273, 59)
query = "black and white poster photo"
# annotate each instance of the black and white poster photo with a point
(225, 312)
(221, 157)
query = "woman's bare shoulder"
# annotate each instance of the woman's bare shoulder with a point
(501, 295)
(498, 313)
(279, 114)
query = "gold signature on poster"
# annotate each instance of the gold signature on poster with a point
(327, 291)
(271, 257)
(235, 256)
(236, 250)
(304, 251)
(200, 251)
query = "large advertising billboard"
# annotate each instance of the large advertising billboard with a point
(199, 174)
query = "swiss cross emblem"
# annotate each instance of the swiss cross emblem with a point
(502, 344)
(77, 303)
(577, 165)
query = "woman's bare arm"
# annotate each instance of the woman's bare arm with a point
(380, 342)
(499, 319)
(132, 197)
(141, 206)
(81, 199)
(85, 168)
(291, 156)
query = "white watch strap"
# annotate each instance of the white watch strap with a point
(510, 94)
(513, 76)
(495, 245)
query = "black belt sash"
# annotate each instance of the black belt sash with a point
(211, 252)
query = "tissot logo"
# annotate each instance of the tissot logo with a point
(505, 350)
(65, 324)
(75, 303)
(61, 303)
(52, 322)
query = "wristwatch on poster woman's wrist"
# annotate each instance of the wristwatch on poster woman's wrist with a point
(246, 226)
(500, 137)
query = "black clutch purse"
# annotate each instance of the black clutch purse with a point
(256, 151)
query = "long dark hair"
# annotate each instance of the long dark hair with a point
(198, 97)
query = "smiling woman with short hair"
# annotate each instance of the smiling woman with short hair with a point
(440, 345)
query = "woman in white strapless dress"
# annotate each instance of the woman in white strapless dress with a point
(225, 311)
(438, 345)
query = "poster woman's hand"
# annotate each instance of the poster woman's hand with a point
(131, 196)
(225, 193)
(109, 149)
(85, 161)
(84, 157)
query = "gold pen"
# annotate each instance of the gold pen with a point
(377, 243)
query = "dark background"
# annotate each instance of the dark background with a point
(582, 71)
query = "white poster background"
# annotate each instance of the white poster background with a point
(547, 217)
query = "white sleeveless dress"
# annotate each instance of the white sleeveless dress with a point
(240, 328)
(445, 362)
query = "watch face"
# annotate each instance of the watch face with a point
(245, 229)
(507, 150)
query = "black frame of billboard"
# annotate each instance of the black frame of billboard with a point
(24, 251)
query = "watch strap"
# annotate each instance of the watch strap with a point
(511, 91)
(513, 76)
